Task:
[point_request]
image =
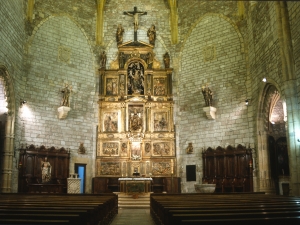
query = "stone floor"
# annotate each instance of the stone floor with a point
(133, 217)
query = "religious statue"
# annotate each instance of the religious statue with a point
(135, 14)
(149, 60)
(136, 78)
(136, 122)
(81, 149)
(207, 94)
(121, 60)
(190, 148)
(151, 33)
(66, 95)
(46, 171)
(103, 60)
(167, 60)
(119, 34)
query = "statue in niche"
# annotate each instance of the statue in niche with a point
(207, 94)
(167, 60)
(124, 148)
(136, 122)
(149, 60)
(136, 78)
(151, 33)
(121, 60)
(46, 171)
(66, 95)
(147, 147)
(103, 60)
(119, 34)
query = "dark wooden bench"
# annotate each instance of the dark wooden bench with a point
(66, 209)
(172, 209)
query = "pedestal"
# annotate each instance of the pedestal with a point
(63, 112)
(284, 183)
(210, 112)
(73, 185)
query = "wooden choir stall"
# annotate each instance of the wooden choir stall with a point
(230, 169)
(43, 170)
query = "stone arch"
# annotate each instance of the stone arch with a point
(8, 143)
(221, 16)
(36, 28)
(269, 96)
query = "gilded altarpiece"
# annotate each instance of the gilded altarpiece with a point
(136, 130)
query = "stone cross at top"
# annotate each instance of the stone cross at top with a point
(135, 14)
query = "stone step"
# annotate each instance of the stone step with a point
(130, 201)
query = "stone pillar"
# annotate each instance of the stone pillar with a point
(290, 92)
(173, 20)
(293, 127)
(100, 20)
(7, 155)
(264, 172)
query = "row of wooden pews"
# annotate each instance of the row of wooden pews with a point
(58, 209)
(233, 209)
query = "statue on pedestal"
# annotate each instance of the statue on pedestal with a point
(103, 60)
(167, 60)
(119, 34)
(151, 33)
(207, 94)
(66, 95)
(46, 171)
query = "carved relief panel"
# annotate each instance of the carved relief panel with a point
(110, 121)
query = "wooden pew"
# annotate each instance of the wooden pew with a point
(203, 208)
(66, 209)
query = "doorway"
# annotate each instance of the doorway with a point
(80, 170)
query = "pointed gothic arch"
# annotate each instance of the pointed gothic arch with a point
(267, 177)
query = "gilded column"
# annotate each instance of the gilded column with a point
(173, 20)
(100, 20)
(241, 9)
(171, 117)
(123, 117)
(30, 6)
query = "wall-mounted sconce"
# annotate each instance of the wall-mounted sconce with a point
(22, 102)
(247, 102)
(264, 79)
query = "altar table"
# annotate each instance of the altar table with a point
(136, 184)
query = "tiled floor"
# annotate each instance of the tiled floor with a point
(133, 217)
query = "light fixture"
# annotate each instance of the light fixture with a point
(264, 79)
(22, 102)
(247, 102)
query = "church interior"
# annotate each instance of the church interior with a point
(174, 93)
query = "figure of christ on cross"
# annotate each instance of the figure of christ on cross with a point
(135, 14)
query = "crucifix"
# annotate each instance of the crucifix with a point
(135, 14)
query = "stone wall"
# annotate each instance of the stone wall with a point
(157, 14)
(59, 53)
(294, 14)
(212, 54)
(12, 38)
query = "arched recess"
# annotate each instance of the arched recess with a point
(271, 141)
(7, 145)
